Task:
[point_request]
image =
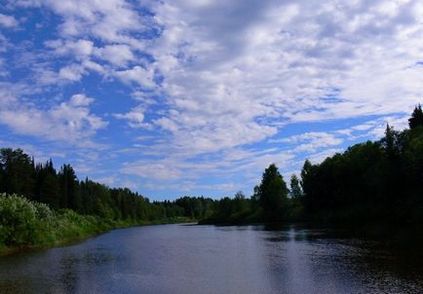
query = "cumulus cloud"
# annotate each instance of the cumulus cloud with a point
(8, 21)
(119, 54)
(108, 20)
(137, 75)
(135, 117)
(80, 49)
(70, 121)
(229, 65)
(72, 72)
(223, 77)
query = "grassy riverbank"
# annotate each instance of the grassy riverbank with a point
(26, 224)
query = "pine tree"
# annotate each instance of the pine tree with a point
(47, 184)
(68, 187)
(390, 142)
(17, 172)
(416, 119)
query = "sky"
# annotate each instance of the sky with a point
(197, 97)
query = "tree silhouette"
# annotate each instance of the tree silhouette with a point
(272, 194)
(416, 119)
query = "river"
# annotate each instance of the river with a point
(209, 259)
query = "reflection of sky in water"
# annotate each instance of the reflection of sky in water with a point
(207, 259)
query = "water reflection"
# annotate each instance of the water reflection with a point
(208, 259)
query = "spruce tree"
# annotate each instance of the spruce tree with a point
(68, 187)
(416, 119)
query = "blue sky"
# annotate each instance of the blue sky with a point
(197, 97)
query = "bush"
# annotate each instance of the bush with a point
(29, 223)
(18, 220)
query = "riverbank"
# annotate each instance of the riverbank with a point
(79, 237)
(28, 225)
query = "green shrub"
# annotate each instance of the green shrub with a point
(43, 212)
(18, 220)
(27, 223)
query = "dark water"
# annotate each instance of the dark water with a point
(208, 259)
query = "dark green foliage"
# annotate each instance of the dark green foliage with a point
(268, 204)
(69, 191)
(370, 182)
(391, 143)
(237, 210)
(416, 119)
(272, 194)
(195, 207)
(16, 172)
(62, 190)
(26, 223)
(342, 181)
(49, 192)
(18, 219)
(296, 191)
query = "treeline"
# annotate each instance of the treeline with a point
(371, 182)
(61, 189)
(378, 181)
(272, 201)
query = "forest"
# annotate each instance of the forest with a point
(377, 182)
(371, 182)
(41, 206)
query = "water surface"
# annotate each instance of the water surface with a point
(209, 259)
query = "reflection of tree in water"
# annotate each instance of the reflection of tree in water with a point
(12, 287)
(11, 281)
(329, 260)
(69, 273)
(73, 266)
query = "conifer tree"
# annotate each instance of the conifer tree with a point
(416, 119)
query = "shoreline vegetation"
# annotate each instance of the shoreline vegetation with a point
(370, 184)
(28, 225)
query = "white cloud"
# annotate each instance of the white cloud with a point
(110, 20)
(71, 72)
(138, 75)
(4, 44)
(135, 117)
(81, 49)
(80, 100)
(233, 75)
(185, 175)
(318, 157)
(8, 21)
(227, 65)
(118, 55)
(312, 141)
(70, 121)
